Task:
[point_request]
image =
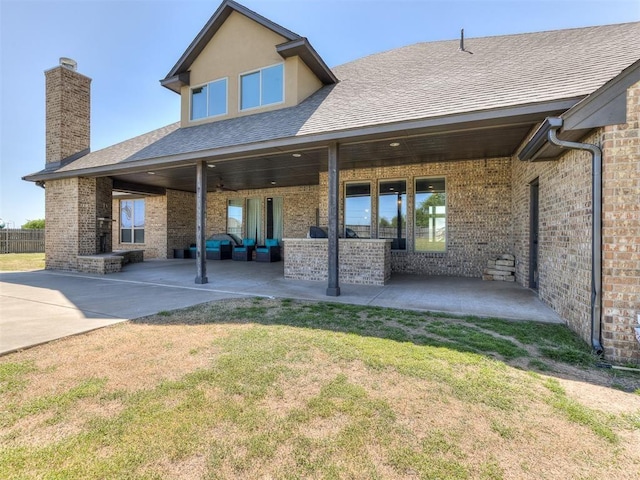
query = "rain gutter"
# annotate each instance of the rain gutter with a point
(548, 132)
(436, 125)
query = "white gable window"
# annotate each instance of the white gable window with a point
(262, 87)
(209, 100)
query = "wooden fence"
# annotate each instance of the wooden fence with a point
(16, 240)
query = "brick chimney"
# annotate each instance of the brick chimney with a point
(68, 96)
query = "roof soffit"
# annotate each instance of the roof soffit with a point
(438, 139)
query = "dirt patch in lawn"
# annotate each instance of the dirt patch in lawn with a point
(257, 389)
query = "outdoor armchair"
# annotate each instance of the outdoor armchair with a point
(244, 252)
(270, 252)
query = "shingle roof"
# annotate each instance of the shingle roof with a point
(421, 81)
(121, 151)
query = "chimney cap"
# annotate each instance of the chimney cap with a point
(69, 63)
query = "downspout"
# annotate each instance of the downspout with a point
(596, 229)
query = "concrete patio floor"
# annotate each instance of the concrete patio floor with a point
(44, 305)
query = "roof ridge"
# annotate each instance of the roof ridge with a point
(467, 38)
(571, 29)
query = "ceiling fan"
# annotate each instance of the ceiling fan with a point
(221, 188)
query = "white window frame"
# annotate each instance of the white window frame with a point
(249, 72)
(133, 222)
(226, 99)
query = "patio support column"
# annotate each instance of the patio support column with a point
(201, 222)
(333, 289)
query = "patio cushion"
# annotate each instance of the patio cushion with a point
(213, 244)
(270, 252)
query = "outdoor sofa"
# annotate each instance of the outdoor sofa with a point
(215, 250)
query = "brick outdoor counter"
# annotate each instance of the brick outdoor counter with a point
(362, 261)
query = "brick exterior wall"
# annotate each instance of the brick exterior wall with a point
(478, 213)
(61, 227)
(71, 205)
(181, 220)
(621, 234)
(564, 233)
(170, 219)
(68, 110)
(362, 261)
(72, 209)
(99, 264)
(155, 228)
(299, 208)
(170, 222)
(104, 215)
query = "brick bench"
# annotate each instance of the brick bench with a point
(130, 256)
(104, 263)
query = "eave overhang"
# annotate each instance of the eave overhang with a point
(176, 82)
(605, 106)
(540, 140)
(302, 48)
(484, 120)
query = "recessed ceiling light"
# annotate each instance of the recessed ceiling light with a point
(151, 173)
(430, 186)
(297, 155)
(392, 189)
(211, 165)
(394, 144)
(273, 183)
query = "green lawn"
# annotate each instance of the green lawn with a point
(425, 245)
(14, 262)
(283, 389)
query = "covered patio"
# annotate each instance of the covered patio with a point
(455, 295)
(472, 151)
(80, 302)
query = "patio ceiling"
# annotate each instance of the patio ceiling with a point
(477, 140)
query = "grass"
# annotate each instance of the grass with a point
(426, 245)
(575, 412)
(282, 389)
(19, 262)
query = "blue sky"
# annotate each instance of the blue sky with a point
(127, 46)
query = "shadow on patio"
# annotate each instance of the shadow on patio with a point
(456, 295)
(81, 302)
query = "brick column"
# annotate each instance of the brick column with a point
(621, 234)
(73, 207)
(61, 227)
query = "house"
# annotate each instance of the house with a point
(438, 156)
